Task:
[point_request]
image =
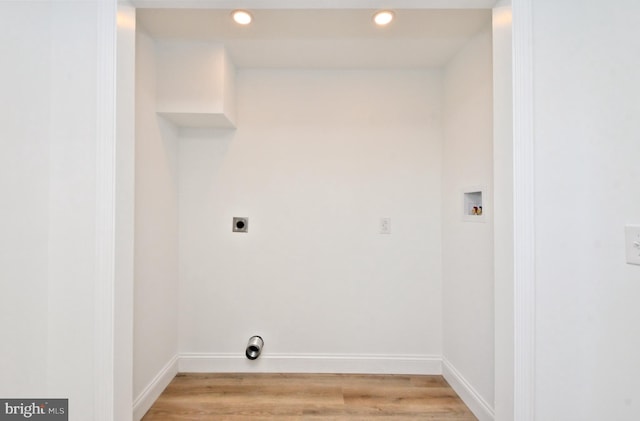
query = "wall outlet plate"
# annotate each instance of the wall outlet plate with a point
(240, 224)
(632, 243)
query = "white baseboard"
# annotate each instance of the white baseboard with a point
(305, 363)
(145, 400)
(476, 403)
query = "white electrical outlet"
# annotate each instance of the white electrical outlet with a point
(385, 225)
(632, 241)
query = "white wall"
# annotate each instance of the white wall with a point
(228, 88)
(468, 273)
(503, 211)
(48, 160)
(24, 183)
(317, 159)
(587, 148)
(156, 233)
(125, 210)
(72, 202)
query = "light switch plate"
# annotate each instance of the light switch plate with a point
(632, 242)
(385, 225)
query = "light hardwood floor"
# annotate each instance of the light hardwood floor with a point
(308, 397)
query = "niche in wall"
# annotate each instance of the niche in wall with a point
(324, 145)
(473, 207)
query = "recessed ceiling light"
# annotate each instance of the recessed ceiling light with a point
(383, 17)
(241, 17)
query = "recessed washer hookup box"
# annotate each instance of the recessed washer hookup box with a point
(34, 409)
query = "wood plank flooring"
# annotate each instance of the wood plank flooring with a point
(285, 397)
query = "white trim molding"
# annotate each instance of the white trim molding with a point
(105, 211)
(154, 389)
(308, 363)
(125, 212)
(524, 217)
(314, 4)
(469, 395)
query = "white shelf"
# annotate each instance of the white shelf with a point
(199, 120)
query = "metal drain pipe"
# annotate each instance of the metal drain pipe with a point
(254, 347)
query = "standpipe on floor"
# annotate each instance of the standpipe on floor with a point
(254, 347)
